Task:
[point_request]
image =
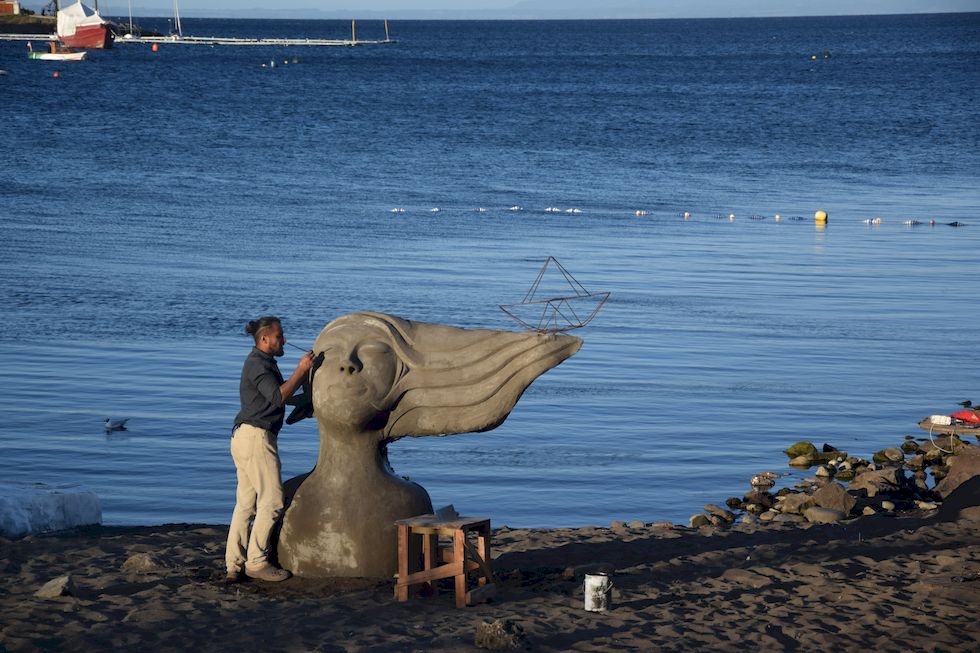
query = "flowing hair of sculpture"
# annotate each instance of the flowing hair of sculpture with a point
(555, 314)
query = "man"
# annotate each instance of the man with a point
(256, 454)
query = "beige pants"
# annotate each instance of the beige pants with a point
(259, 496)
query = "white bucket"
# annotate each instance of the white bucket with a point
(598, 592)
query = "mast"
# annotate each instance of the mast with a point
(387, 38)
(130, 16)
(353, 32)
(180, 32)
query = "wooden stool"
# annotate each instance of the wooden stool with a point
(447, 562)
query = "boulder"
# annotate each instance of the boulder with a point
(725, 515)
(835, 497)
(760, 498)
(142, 563)
(60, 586)
(889, 455)
(965, 498)
(799, 449)
(795, 503)
(964, 465)
(819, 515)
(879, 481)
(697, 521)
(787, 518)
(910, 446)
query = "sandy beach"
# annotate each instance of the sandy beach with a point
(893, 582)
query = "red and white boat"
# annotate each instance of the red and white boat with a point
(80, 26)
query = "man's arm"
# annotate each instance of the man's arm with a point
(295, 380)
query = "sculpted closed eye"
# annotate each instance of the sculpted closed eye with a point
(379, 353)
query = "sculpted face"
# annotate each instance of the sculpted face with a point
(353, 383)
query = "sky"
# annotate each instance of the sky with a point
(518, 9)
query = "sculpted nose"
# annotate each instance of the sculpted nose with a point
(350, 365)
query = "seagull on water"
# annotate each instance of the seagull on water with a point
(115, 424)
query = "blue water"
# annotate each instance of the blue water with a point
(152, 203)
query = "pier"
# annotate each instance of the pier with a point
(209, 40)
(181, 39)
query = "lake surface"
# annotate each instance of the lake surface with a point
(152, 203)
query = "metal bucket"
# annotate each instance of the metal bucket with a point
(598, 592)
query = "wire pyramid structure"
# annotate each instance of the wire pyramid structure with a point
(556, 314)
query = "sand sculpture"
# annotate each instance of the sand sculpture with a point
(379, 378)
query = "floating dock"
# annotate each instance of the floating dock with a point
(209, 40)
(180, 39)
(222, 40)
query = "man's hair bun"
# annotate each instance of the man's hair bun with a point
(256, 327)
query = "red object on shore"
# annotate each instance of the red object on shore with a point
(971, 416)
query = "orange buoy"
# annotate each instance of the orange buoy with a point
(156, 47)
(56, 74)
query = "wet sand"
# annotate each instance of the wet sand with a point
(883, 583)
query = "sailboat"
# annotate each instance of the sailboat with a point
(130, 34)
(80, 26)
(178, 33)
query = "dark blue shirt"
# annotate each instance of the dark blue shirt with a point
(262, 404)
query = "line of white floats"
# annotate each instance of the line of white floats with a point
(687, 215)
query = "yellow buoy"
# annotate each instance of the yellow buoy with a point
(820, 217)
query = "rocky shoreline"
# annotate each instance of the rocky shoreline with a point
(897, 478)
(27, 24)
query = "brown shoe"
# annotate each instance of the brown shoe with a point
(234, 576)
(268, 573)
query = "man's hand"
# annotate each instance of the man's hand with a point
(298, 376)
(304, 364)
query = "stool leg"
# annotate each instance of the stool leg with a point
(401, 587)
(459, 555)
(430, 551)
(483, 547)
